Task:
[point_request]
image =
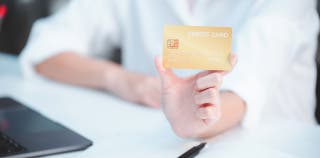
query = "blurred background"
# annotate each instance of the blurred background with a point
(19, 19)
(20, 16)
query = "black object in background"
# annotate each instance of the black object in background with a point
(27, 133)
(18, 22)
(193, 152)
(8, 146)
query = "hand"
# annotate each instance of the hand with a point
(137, 88)
(191, 104)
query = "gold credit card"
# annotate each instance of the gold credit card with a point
(197, 47)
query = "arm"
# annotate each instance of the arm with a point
(79, 70)
(76, 28)
(84, 71)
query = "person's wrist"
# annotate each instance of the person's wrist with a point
(118, 81)
(112, 75)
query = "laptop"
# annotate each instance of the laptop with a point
(26, 133)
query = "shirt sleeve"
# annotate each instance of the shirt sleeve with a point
(83, 26)
(268, 42)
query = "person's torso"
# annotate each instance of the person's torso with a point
(292, 96)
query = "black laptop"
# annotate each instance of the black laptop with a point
(26, 133)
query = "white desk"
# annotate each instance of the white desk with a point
(122, 129)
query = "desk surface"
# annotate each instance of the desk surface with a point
(122, 129)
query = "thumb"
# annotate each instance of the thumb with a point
(166, 74)
(233, 60)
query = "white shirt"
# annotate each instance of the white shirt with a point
(275, 41)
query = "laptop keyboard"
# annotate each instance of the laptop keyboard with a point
(8, 146)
